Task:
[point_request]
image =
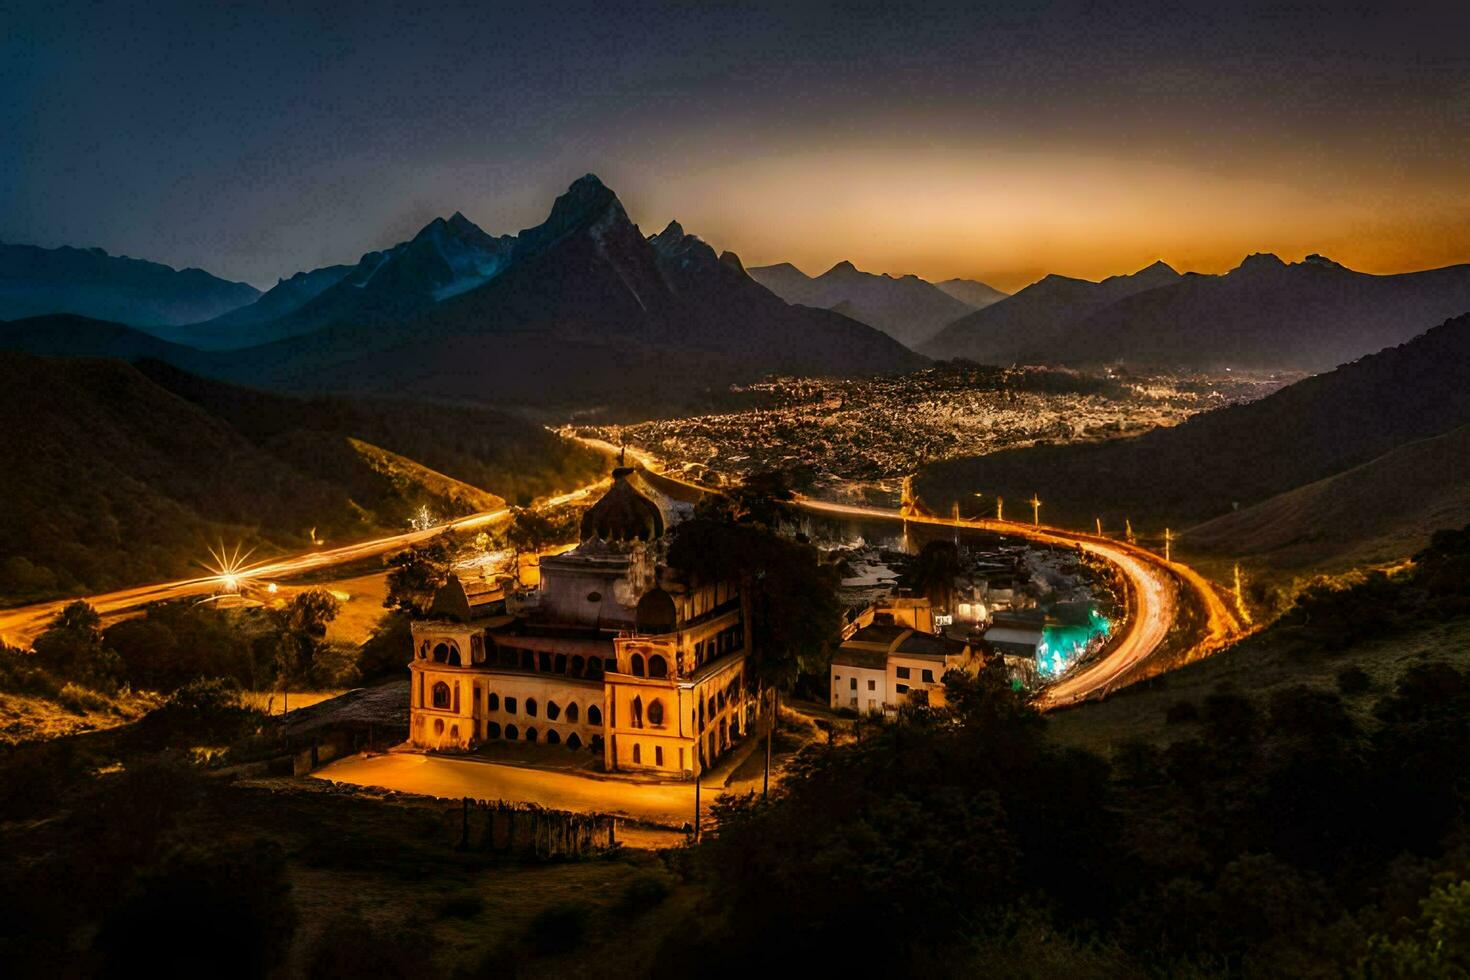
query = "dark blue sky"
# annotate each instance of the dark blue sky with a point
(997, 141)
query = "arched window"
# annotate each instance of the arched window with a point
(441, 653)
(454, 733)
(574, 741)
(637, 665)
(656, 713)
(492, 729)
(559, 665)
(531, 707)
(530, 734)
(594, 715)
(637, 754)
(454, 655)
(510, 706)
(512, 732)
(579, 664)
(572, 712)
(637, 711)
(552, 738)
(441, 695)
(438, 726)
(543, 661)
(492, 702)
(658, 666)
(594, 666)
(553, 710)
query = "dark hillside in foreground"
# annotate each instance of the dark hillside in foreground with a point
(1238, 455)
(117, 475)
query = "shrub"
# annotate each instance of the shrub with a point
(350, 947)
(644, 891)
(74, 697)
(558, 928)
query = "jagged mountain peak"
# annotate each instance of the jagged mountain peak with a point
(733, 261)
(841, 269)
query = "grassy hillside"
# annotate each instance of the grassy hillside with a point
(1377, 513)
(113, 478)
(1235, 456)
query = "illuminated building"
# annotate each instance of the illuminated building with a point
(891, 655)
(613, 653)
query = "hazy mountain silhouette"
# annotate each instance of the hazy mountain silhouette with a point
(1310, 315)
(233, 329)
(907, 308)
(447, 257)
(87, 281)
(972, 291)
(1239, 455)
(1037, 317)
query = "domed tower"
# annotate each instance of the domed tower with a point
(623, 514)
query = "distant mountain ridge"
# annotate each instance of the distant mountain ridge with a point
(907, 308)
(1237, 456)
(37, 281)
(580, 309)
(1265, 314)
(1038, 316)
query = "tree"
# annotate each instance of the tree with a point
(72, 647)
(531, 531)
(795, 611)
(417, 572)
(301, 629)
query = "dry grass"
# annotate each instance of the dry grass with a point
(1258, 666)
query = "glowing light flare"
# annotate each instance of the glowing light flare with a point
(228, 567)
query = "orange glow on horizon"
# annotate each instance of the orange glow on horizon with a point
(1009, 218)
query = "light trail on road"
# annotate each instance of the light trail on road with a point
(21, 625)
(1155, 584)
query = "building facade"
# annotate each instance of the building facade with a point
(613, 653)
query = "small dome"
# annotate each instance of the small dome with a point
(623, 514)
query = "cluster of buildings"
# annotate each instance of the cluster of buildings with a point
(863, 435)
(613, 653)
(1031, 609)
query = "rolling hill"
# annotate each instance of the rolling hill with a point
(87, 281)
(1375, 513)
(1236, 456)
(118, 473)
(907, 308)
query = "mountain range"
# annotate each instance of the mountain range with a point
(1230, 459)
(582, 309)
(89, 282)
(907, 308)
(1265, 314)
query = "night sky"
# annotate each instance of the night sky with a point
(1000, 143)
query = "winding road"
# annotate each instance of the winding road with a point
(1156, 585)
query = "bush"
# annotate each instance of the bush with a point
(74, 697)
(644, 891)
(202, 707)
(558, 928)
